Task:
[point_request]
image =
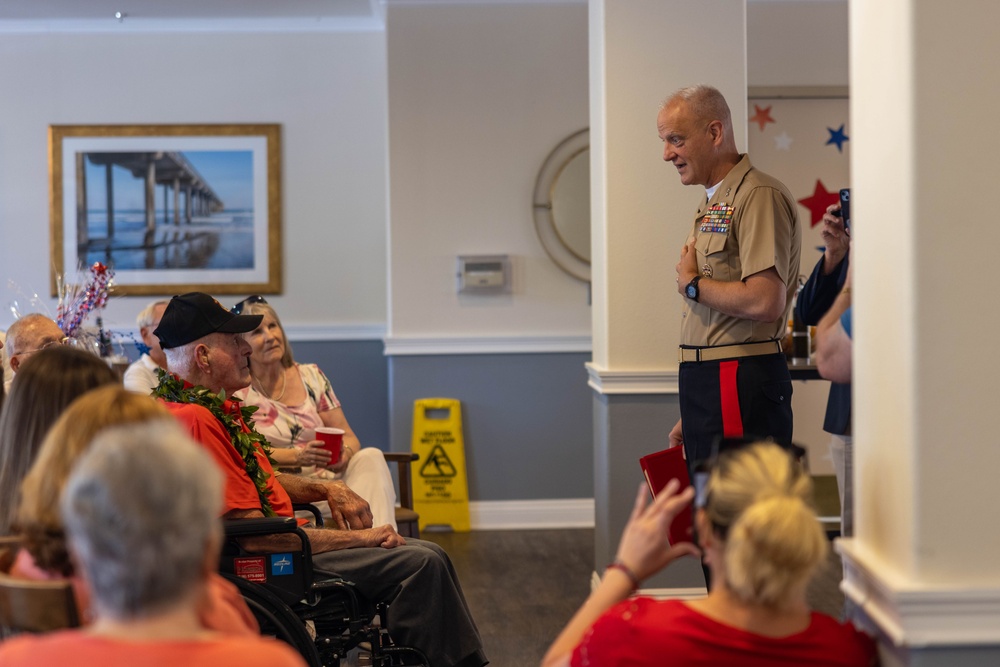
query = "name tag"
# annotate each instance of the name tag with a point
(717, 219)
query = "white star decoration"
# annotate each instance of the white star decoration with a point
(783, 142)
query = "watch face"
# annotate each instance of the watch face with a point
(692, 291)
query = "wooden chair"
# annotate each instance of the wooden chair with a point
(407, 519)
(36, 606)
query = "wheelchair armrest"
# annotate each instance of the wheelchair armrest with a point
(312, 509)
(262, 526)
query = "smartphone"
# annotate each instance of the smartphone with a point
(845, 207)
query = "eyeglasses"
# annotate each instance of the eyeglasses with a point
(253, 298)
(45, 346)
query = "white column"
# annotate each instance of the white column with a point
(640, 52)
(925, 563)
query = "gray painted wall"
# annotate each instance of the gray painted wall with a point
(526, 419)
(626, 427)
(359, 376)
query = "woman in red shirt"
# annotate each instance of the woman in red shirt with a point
(762, 543)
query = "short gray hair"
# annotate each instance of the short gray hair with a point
(146, 317)
(141, 509)
(705, 102)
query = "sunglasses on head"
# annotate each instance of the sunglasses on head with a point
(253, 298)
(722, 447)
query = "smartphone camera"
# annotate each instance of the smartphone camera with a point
(845, 207)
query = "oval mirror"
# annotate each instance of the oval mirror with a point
(562, 205)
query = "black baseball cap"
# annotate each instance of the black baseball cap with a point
(195, 315)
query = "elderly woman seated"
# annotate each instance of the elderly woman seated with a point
(44, 554)
(140, 510)
(294, 399)
(762, 542)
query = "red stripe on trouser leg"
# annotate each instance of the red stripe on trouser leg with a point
(732, 422)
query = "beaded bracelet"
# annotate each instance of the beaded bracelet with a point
(627, 571)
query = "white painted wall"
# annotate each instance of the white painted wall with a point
(479, 95)
(797, 42)
(327, 90)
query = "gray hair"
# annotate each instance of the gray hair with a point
(146, 317)
(180, 360)
(141, 510)
(705, 102)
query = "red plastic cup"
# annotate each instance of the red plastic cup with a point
(333, 441)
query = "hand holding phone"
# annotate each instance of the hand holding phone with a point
(845, 207)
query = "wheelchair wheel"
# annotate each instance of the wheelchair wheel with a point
(276, 619)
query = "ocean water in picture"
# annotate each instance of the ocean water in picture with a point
(219, 241)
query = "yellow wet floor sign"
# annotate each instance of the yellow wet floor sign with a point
(440, 487)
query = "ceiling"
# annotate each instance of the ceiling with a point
(86, 15)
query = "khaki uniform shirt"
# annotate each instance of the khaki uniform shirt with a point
(749, 225)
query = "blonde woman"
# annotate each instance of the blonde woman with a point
(294, 399)
(44, 554)
(762, 542)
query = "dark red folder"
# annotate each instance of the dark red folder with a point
(661, 467)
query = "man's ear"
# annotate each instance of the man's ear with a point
(15, 362)
(717, 132)
(201, 357)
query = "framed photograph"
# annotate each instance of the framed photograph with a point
(171, 208)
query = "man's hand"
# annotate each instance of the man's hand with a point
(383, 536)
(677, 435)
(348, 510)
(836, 237)
(687, 267)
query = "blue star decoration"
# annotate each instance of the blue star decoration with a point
(837, 137)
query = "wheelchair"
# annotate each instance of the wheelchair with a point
(323, 620)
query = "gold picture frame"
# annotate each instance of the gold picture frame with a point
(216, 228)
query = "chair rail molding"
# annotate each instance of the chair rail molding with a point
(606, 381)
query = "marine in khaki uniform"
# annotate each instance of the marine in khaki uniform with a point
(737, 275)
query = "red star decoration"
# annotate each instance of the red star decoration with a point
(762, 116)
(818, 201)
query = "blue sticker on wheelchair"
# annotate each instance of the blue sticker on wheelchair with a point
(281, 564)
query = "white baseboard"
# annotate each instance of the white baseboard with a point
(658, 593)
(531, 514)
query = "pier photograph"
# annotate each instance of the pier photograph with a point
(175, 206)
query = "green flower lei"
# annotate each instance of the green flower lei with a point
(172, 389)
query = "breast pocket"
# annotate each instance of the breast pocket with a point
(710, 247)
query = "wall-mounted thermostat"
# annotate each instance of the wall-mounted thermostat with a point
(484, 274)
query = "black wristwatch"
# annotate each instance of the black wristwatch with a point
(691, 291)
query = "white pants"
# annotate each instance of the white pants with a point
(367, 474)
(842, 453)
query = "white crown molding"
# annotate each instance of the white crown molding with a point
(918, 614)
(138, 25)
(410, 346)
(531, 514)
(605, 381)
